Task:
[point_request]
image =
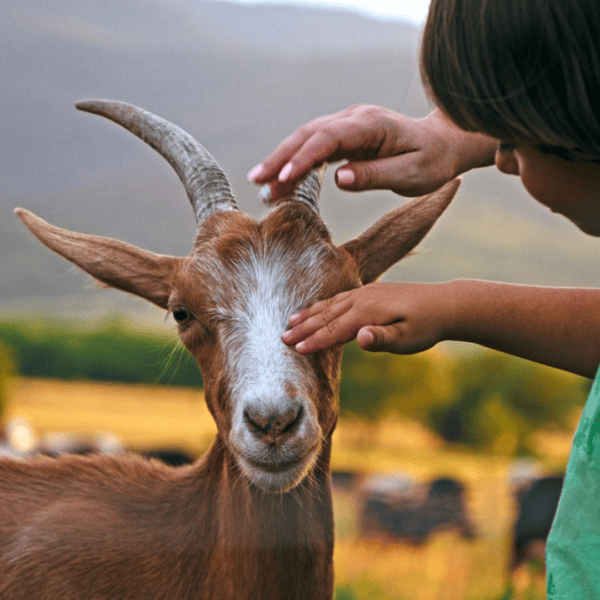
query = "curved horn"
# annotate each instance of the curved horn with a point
(205, 183)
(308, 188)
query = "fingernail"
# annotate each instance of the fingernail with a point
(367, 337)
(345, 177)
(294, 319)
(265, 195)
(285, 173)
(301, 346)
(255, 172)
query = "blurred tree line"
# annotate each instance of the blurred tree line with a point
(478, 398)
(7, 370)
(109, 351)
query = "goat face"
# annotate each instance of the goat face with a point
(232, 297)
(243, 280)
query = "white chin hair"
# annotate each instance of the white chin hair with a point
(279, 481)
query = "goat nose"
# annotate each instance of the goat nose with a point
(273, 425)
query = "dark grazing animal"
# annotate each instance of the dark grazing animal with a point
(411, 518)
(536, 507)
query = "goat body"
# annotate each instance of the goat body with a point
(107, 527)
(253, 518)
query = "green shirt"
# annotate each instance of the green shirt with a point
(573, 548)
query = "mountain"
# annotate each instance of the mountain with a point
(239, 78)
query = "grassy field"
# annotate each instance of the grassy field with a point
(142, 416)
(448, 567)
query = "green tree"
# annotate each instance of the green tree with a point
(376, 385)
(7, 370)
(110, 351)
(482, 399)
(497, 401)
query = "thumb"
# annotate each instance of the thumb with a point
(395, 173)
(378, 339)
(363, 175)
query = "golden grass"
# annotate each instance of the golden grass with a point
(143, 416)
(447, 568)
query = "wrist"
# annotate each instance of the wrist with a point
(457, 294)
(468, 149)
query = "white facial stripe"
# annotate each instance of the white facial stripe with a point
(274, 287)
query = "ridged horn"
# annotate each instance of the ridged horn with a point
(307, 190)
(205, 183)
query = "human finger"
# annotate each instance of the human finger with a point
(274, 190)
(395, 337)
(310, 320)
(357, 133)
(401, 174)
(272, 166)
(318, 307)
(380, 338)
(337, 331)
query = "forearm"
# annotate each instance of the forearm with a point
(559, 327)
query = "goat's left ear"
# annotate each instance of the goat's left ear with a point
(398, 232)
(112, 262)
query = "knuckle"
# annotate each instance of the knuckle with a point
(332, 328)
(326, 314)
(368, 176)
(329, 134)
(353, 109)
(366, 110)
(305, 132)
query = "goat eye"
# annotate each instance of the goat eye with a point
(181, 314)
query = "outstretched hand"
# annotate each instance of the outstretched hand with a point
(390, 317)
(385, 150)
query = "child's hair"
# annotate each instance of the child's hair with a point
(518, 70)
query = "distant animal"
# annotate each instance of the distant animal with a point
(410, 517)
(343, 479)
(253, 518)
(56, 444)
(536, 507)
(170, 456)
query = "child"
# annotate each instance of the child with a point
(517, 83)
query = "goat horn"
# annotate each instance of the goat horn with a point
(308, 188)
(205, 183)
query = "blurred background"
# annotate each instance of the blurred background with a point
(446, 464)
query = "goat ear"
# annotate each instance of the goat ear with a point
(398, 232)
(114, 263)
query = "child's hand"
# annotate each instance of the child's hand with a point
(386, 151)
(390, 317)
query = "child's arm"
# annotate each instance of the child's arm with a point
(559, 327)
(387, 151)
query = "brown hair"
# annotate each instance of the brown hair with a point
(520, 71)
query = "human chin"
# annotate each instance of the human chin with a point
(590, 227)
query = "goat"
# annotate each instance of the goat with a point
(536, 506)
(252, 518)
(412, 517)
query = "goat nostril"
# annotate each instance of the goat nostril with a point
(273, 425)
(295, 421)
(251, 423)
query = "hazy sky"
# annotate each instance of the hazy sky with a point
(411, 10)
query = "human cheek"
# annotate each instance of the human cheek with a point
(549, 184)
(540, 191)
(567, 195)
